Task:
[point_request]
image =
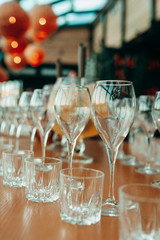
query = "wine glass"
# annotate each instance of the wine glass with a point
(145, 103)
(5, 124)
(24, 103)
(72, 110)
(156, 118)
(43, 114)
(14, 117)
(131, 160)
(156, 110)
(113, 109)
(89, 130)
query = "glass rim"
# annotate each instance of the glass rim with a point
(17, 152)
(57, 160)
(139, 198)
(115, 82)
(3, 145)
(75, 86)
(101, 174)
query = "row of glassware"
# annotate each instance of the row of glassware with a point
(113, 108)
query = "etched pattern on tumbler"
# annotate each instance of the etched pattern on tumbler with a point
(81, 200)
(14, 163)
(42, 180)
(139, 212)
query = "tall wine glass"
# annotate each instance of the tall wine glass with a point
(156, 110)
(72, 110)
(89, 130)
(156, 118)
(43, 114)
(24, 103)
(135, 128)
(145, 103)
(15, 117)
(113, 110)
(5, 125)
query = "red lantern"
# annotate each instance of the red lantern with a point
(43, 22)
(13, 45)
(15, 62)
(34, 55)
(14, 21)
(4, 76)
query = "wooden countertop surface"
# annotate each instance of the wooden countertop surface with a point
(21, 219)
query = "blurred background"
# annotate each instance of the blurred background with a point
(121, 37)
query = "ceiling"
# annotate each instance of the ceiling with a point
(69, 12)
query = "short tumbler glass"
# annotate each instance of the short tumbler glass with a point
(81, 192)
(42, 179)
(139, 212)
(14, 167)
(4, 147)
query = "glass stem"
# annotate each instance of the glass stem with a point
(112, 154)
(3, 126)
(32, 137)
(71, 146)
(45, 139)
(42, 146)
(18, 133)
(148, 161)
(11, 133)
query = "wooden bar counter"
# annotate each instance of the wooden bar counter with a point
(21, 219)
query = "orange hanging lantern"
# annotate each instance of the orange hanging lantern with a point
(15, 62)
(13, 45)
(34, 55)
(43, 22)
(14, 21)
(4, 76)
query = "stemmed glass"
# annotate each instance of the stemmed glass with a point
(132, 161)
(113, 109)
(89, 130)
(5, 124)
(156, 118)
(156, 110)
(145, 103)
(14, 117)
(24, 103)
(43, 114)
(72, 110)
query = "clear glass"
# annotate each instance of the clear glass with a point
(3, 147)
(113, 110)
(130, 159)
(15, 119)
(42, 114)
(24, 103)
(156, 110)
(81, 191)
(42, 179)
(59, 140)
(5, 124)
(156, 118)
(145, 103)
(14, 167)
(139, 212)
(72, 110)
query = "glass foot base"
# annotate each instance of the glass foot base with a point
(110, 208)
(77, 158)
(131, 161)
(156, 183)
(147, 170)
